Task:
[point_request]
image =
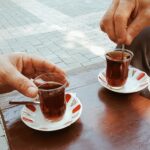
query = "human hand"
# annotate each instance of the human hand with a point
(17, 69)
(125, 19)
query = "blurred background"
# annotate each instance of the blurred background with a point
(65, 32)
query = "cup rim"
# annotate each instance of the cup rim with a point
(62, 86)
(119, 49)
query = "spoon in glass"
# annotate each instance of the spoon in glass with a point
(123, 50)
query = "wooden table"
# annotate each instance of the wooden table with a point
(109, 121)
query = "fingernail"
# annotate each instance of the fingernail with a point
(32, 91)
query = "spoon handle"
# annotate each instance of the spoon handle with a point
(23, 102)
(123, 49)
(123, 46)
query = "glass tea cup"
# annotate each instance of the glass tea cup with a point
(51, 91)
(118, 62)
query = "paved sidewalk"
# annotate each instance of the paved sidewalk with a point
(63, 31)
(3, 141)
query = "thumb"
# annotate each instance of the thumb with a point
(21, 83)
(136, 27)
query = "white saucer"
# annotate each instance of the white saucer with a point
(34, 118)
(137, 81)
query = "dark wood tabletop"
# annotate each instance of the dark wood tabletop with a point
(109, 121)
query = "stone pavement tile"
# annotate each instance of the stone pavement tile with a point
(98, 38)
(53, 59)
(90, 55)
(46, 14)
(21, 42)
(36, 53)
(73, 66)
(30, 48)
(51, 36)
(93, 61)
(73, 51)
(62, 65)
(75, 8)
(3, 143)
(94, 18)
(69, 60)
(19, 50)
(5, 34)
(76, 58)
(81, 60)
(10, 10)
(52, 56)
(68, 67)
(34, 42)
(44, 51)
(1, 131)
(7, 50)
(4, 44)
(62, 53)
(53, 48)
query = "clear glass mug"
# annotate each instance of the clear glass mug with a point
(51, 90)
(118, 62)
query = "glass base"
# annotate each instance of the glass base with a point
(116, 87)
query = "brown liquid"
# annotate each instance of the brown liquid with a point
(117, 68)
(52, 103)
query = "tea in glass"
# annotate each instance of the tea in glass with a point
(118, 62)
(52, 95)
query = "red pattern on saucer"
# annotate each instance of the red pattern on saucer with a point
(77, 108)
(31, 107)
(68, 97)
(140, 76)
(27, 119)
